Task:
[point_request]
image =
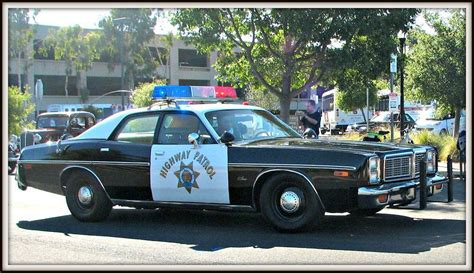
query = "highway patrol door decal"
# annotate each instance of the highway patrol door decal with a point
(183, 173)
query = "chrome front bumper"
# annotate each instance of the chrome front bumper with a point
(398, 192)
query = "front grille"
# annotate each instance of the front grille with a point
(419, 158)
(397, 167)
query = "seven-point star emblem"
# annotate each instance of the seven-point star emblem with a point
(187, 176)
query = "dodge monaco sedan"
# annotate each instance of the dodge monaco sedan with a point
(225, 157)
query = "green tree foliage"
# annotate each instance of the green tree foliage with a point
(78, 50)
(19, 108)
(285, 51)
(436, 65)
(20, 35)
(141, 96)
(353, 91)
(132, 28)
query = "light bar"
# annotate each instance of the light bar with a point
(161, 92)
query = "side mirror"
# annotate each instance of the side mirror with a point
(227, 138)
(309, 133)
(193, 139)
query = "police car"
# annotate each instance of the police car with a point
(222, 156)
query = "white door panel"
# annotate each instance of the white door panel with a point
(183, 173)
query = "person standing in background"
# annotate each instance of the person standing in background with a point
(312, 118)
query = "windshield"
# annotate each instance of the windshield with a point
(51, 122)
(249, 124)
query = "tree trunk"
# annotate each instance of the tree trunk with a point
(66, 82)
(363, 115)
(18, 69)
(81, 84)
(285, 109)
(457, 120)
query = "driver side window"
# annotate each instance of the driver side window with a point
(176, 127)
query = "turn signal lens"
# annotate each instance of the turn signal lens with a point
(341, 173)
(382, 198)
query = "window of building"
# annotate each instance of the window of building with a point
(190, 57)
(13, 79)
(194, 82)
(100, 85)
(54, 85)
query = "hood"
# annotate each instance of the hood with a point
(360, 147)
(429, 123)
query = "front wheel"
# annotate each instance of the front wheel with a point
(289, 203)
(86, 199)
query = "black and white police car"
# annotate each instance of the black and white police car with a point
(222, 156)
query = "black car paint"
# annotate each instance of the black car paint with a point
(247, 161)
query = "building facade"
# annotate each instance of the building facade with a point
(185, 67)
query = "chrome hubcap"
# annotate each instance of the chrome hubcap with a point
(290, 201)
(85, 195)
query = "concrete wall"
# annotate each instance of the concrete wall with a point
(100, 69)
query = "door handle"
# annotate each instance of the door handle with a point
(159, 153)
(104, 149)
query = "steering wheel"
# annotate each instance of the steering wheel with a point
(259, 132)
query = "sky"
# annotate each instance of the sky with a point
(86, 18)
(89, 18)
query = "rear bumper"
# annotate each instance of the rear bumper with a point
(397, 193)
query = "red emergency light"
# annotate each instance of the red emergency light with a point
(225, 92)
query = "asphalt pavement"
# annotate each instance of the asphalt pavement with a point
(43, 235)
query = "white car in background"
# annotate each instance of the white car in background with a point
(444, 125)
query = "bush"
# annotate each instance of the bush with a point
(445, 144)
(141, 96)
(19, 108)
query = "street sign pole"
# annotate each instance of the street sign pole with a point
(393, 70)
(391, 113)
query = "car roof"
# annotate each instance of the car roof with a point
(103, 129)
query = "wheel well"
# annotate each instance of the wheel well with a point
(69, 171)
(265, 175)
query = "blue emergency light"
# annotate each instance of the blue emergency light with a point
(171, 91)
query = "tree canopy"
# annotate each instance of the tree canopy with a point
(20, 35)
(285, 51)
(436, 65)
(78, 50)
(132, 28)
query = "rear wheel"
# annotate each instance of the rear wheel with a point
(365, 212)
(289, 203)
(86, 199)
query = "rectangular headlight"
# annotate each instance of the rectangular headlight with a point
(430, 161)
(374, 170)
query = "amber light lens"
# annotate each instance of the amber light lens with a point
(341, 173)
(382, 198)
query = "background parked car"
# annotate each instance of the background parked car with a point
(443, 125)
(383, 120)
(52, 126)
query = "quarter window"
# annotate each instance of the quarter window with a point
(139, 130)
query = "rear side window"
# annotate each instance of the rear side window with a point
(140, 130)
